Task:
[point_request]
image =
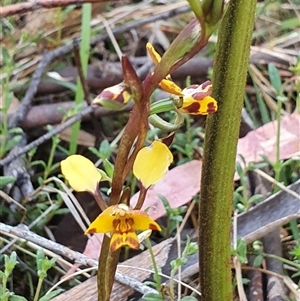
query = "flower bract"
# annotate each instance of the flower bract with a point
(81, 173)
(196, 99)
(122, 223)
(152, 163)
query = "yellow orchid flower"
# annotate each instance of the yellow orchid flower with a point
(122, 223)
(196, 99)
(152, 163)
(81, 173)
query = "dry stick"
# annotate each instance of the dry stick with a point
(46, 137)
(21, 8)
(23, 232)
(57, 130)
(25, 104)
(61, 51)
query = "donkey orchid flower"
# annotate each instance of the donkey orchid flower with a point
(196, 99)
(122, 223)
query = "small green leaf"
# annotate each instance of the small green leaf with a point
(10, 263)
(296, 274)
(242, 250)
(51, 295)
(5, 55)
(258, 260)
(4, 180)
(255, 199)
(12, 142)
(17, 298)
(275, 78)
(94, 151)
(105, 149)
(245, 280)
(188, 298)
(109, 168)
(152, 297)
(239, 169)
(40, 256)
(104, 176)
(16, 130)
(7, 100)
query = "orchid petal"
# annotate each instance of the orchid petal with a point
(81, 173)
(155, 57)
(119, 240)
(205, 106)
(152, 163)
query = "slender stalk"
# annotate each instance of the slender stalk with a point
(156, 275)
(221, 137)
(84, 56)
(283, 260)
(38, 289)
(277, 165)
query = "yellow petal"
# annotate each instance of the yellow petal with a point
(152, 163)
(141, 221)
(155, 57)
(205, 106)
(169, 86)
(103, 223)
(81, 173)
(119, 240)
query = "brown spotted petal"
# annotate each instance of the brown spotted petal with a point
(197, 100)
(114, 98)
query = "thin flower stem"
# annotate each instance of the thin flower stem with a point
(141, 199)
(38, 289)
(156, 276)
(98, 197)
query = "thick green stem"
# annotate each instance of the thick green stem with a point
(222, 132)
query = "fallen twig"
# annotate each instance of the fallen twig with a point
(24, 7)
(47, 136)
(24, 233)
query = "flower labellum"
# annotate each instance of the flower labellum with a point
(81, 173)
(197, 100)
(122, 223)
(152, 163)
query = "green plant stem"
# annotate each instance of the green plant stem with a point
(283, 260)
(55, 142)
(172, 276)
(221, 138)
(4, 281)
(189, 137)
(277, 166)
(4, 126)
(38, 289)
(156, 276)
(84, 56)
